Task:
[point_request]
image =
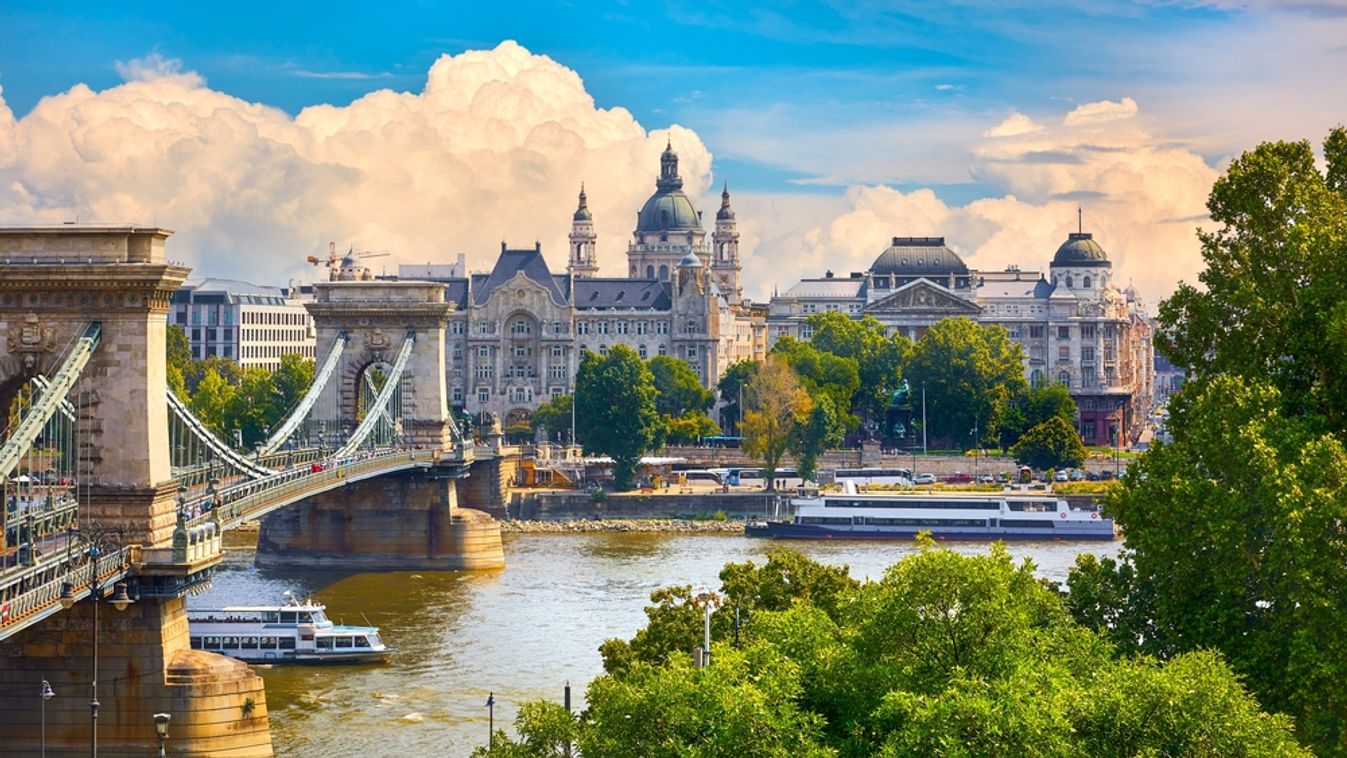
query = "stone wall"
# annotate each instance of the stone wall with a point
(405, 521)
(487, 486)
(145, 666)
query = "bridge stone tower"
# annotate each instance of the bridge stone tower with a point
(54, 281)
(376, 317)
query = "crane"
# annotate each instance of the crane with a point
(334, 262)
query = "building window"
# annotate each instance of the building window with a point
(690, 327)
(1035, 332)
(1068, 281)
(663, 350)
(1064, 378)
(1087, 429)
(483, 395)
(602, 327)
(641, 351)
(458, 352)
(1085, 282)
(1063, 354)
(603, 350)
(641, 327)
(664, 272)
(556, 372)
(483, 327)
(521, 327)
(485, 372)
(1063, 332)
(661, 327)
(1087, 331)
(650, 272)
(1087, 378)
(458, 395)
(622, 327)
(1036, 377)
(692, 352)
(483, 351)
(455, 327)
(582, 327)
(558, 351)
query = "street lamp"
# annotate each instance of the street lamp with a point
(709, 601)
(47, 694)
(99, 541)
(161, 730)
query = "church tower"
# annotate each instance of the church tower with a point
(668, 227)
(725, 250)
(583, 262)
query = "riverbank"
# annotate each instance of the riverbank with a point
(654, 525)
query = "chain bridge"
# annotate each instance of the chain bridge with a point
(116, 495)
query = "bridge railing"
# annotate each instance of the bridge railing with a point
(239, 503)
(29, 524)
(36, 594)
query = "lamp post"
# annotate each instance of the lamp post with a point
(709, 601)
(161, 730)
(47, 694)
(490, 720)
(99, 542)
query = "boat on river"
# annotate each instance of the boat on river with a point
(297, 632)
(947, 516)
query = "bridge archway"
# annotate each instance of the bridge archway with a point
(373, 321)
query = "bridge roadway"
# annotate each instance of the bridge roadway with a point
(31, 593)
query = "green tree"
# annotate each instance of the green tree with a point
(1271, 306)
(819, 430)
(822, 373)
(970, 372)
(1034, 405)
(731, 386)
(555, 416)
(689, 429)
(178, 352)
(290, 381)
(774, 401)
(254, 407)
(1052, 444)
(211, 402)
(226, 369)
(880, 356)
(679, 388)
(615, 410)
(1264, 497)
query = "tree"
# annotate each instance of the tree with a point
(554, 416)
(1271, 306)
(1234, 543)
(212, 400)
(819, 430)
(880, 356)
(1034, 405)
(969, 372)
(731, 386)
(178, 355)
(227, 370)
(679, 388)
(946, 654)
(291, 380)
(254, 407)
(774, 400)
(615, 410)
(822, 373)
(689, 429)
(1052, 444)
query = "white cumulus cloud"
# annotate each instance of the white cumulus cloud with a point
(494, 147)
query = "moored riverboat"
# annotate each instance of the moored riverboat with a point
(297, 632)
(951, 516)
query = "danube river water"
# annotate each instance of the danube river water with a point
(520, 632)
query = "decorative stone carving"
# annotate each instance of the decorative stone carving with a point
(29, 338)
(377, 340)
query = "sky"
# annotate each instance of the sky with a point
(262, 132)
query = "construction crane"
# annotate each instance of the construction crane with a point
(336, 263)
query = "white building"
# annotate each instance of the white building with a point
(247, 323)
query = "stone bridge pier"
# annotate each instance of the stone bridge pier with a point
(54, 280)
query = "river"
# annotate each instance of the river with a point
(520, 632)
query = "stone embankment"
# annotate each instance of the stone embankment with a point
(586, 526)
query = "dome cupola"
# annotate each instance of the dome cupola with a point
(1080, 250)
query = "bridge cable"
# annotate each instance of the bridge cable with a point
(376, 411)
(301, 411)
(41, 411)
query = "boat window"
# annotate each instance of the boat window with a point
(1026, 523)
(307, 637)
(250, 643)
(324, 643)
(305, 617)
(374, 640)
(344, 642)
(319, 617)
(1034, 506)
(361, 642)
(287, 643)
(288, 617)
(825, 519)
(196, 643)
(269, 643)
(270, 617)
(232, 642)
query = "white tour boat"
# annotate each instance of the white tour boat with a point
(949, 516)
(298, 632)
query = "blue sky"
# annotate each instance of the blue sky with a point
(815, 100)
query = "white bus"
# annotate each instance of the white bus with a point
(868, 476)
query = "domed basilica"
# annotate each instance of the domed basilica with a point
(516, 335)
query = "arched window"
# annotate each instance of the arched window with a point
(664, 272)
(1086, 282)
(724, 251)
(1036, 377)
(1064, 378)
(650, 272)
(690, 327)
(520, 327)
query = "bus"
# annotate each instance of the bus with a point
(743, 476)
(868, 476)
(722, 441)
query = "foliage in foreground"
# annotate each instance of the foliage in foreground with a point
(946, 655)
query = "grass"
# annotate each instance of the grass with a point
(1085, 488)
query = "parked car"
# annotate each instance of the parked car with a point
(1076, 475)
(1091, 476)
(924, 479)
(959, 477)
(1060, 476)
(1106, 475)
(986, 479)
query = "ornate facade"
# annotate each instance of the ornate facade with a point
(517, 332)
(1075, 325)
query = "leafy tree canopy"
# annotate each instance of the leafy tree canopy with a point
(615, 410)
(879, 356)
(1052, 444)
(731, 386)
(822, 373)
(970, 372)
(820, 429)
(679, 388)
(689, 428)
(1034, 405)
(1272, 304)
(945, 655)
(555, 416)
(775, 401)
